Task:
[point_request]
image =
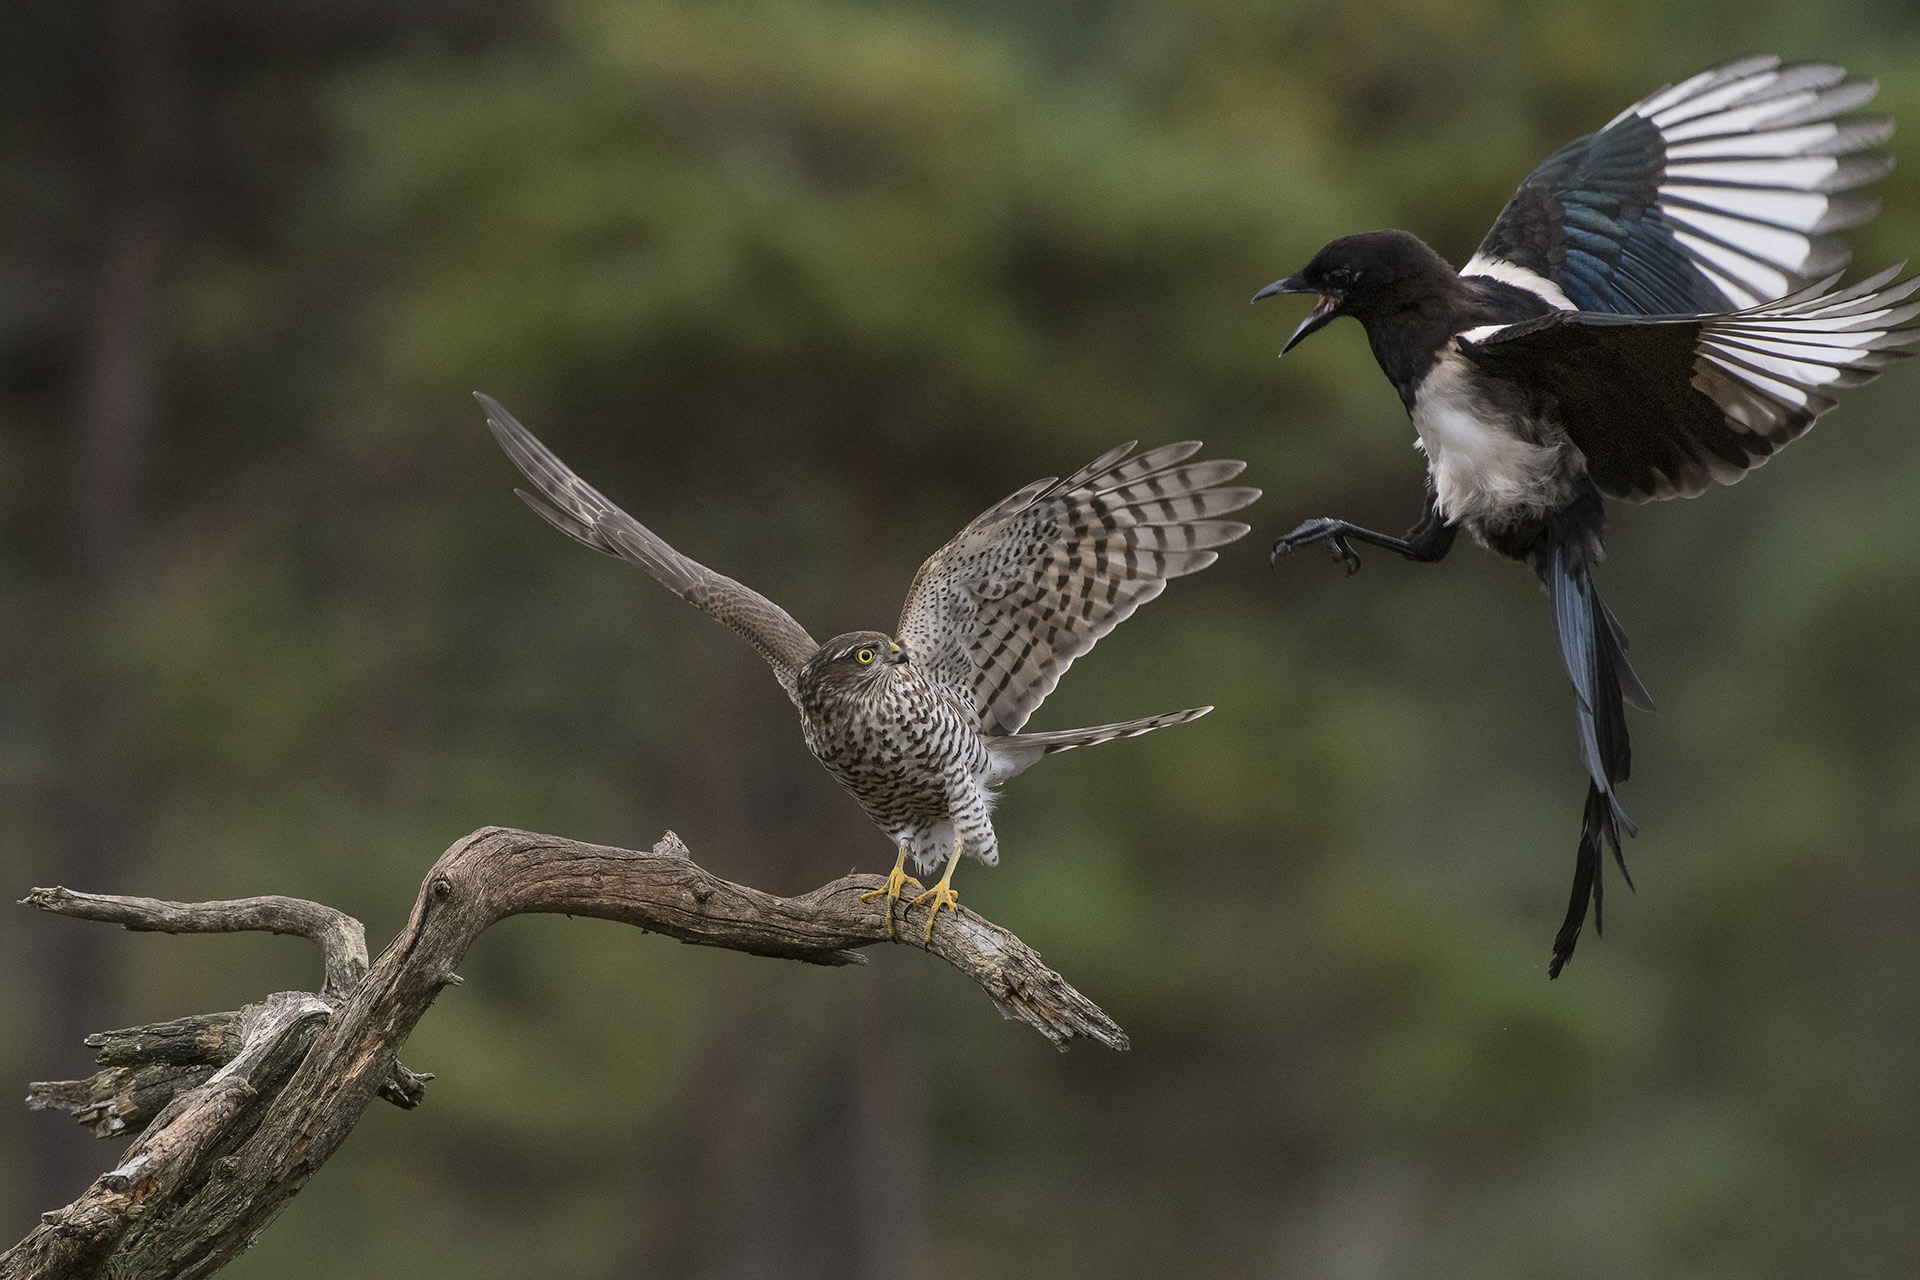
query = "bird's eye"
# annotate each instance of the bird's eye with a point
(1340, 276)
(864, 656)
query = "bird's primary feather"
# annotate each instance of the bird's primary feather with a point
(1716, 194)
(582, 513)
(1662, 406)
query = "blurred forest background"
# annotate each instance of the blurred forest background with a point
(805, 284)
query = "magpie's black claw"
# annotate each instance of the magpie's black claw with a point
(1322, 530)
(1306, 534)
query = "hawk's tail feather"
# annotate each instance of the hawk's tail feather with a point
(1014, 753)
(1067, 739)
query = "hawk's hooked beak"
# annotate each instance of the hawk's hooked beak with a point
(1317, 319)
(895, 654)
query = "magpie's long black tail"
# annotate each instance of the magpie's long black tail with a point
(1595, 652)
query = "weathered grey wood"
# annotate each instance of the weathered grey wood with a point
(119, 1100)
(218, 1160)
(341, 938)
(145, 1068)
(100, 1233)
(206, 1037)
(147, 1065)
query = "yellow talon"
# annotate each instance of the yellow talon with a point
(897, 880)
(942, 894)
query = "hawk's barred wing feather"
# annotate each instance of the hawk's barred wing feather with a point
(1661, 406)
(582, 513)
(1715, 194)
(1002, 610)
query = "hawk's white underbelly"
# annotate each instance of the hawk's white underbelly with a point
(1482, 466)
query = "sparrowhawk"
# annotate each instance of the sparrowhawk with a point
(922, 727)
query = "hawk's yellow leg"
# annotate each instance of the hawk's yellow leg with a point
(943, 894)
(896, 881)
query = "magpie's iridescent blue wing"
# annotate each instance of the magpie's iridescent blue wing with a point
(1712, 195)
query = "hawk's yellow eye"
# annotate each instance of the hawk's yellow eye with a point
(865, 656)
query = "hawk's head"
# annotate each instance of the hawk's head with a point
(857, 660)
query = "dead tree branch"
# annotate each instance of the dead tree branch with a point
(235, 1111)
(341, 939)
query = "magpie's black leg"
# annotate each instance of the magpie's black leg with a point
(1426, 542)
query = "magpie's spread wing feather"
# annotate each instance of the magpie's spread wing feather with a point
(1715, 194)
(1660, 406)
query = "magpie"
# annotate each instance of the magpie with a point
(1657, 308)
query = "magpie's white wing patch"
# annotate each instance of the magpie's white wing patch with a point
(1717, 194)
(1663, 406)
(1492, 268)
(1767, 368)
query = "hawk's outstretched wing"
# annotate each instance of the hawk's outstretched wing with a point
(583, 514)
(1003, 609)
(1711, 195)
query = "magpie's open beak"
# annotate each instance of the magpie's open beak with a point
(1317, 319)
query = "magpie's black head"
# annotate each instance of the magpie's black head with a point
(1364, 276)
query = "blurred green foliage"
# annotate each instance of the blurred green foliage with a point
(805, 285)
